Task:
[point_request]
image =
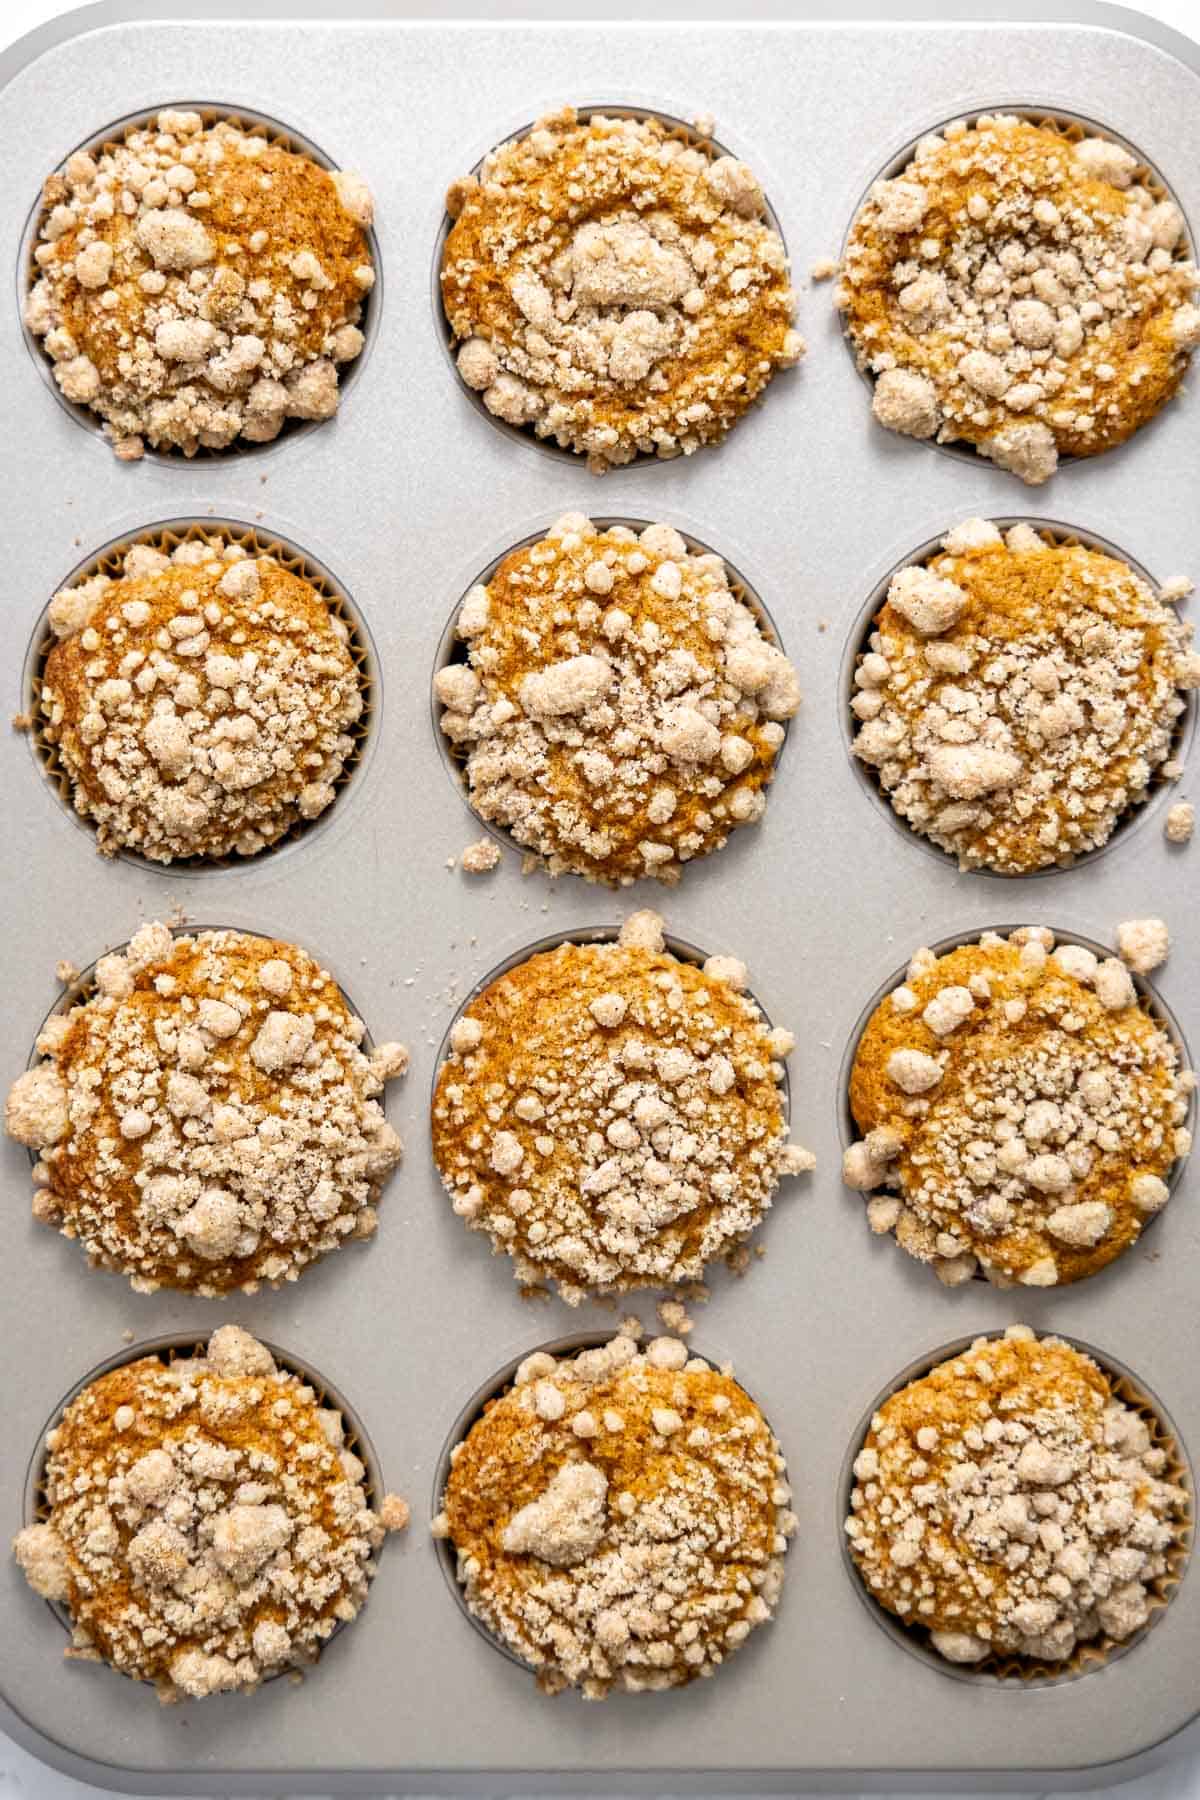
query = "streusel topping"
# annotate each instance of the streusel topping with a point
(1019, 695)
(616, 289)
(208, 1525)
(1011, 1504)
(611, 1116)
(620, 1517)
(208, 1118)
(620, 710)
(202, 702)
(196, 284)
(1021, 292)
(1020, 1108)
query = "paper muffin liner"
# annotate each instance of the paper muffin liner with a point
(167, 537)
(1150, 1002)
(253, 124)
(1096, 1653)
(675, 129)
(1058, 536)
(495, 1388)
(167, 1350)
(451, 650)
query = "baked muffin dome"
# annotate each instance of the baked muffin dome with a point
(207, 1119)
(620, 1517)
(1013, 1505)
(1019, 291)
(620, 710)
(615, 288)
(207, 1524)
(204, 702)
(611, 1115)
(197, 284)
(1019, 696)
(1020, 1109)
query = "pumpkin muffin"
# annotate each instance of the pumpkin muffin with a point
(1021, 292)
(207, 1119)
(611, 1116)
(620, 710)
(196, 284)
(1019, 695)
(1012, 1505)
(1020, 1108)
(615, 289)
(619, 1517)
(200, 703)
(207, 1526)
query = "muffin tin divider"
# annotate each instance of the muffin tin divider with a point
(404, 491)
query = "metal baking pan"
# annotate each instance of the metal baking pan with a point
(406, 496)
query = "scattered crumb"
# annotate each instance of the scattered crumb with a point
(1143, 943)
(394, 1513)
(1175, 588)
(66, 972)
(480, 857)
(1181, 822)
(675, 1317)
(824, 269)
(22, 721)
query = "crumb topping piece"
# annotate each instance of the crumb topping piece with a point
(196, 284)
(202, 702)
(616, 289)
(207, 1119)
(1019, 291)
(611, 1116)
(208, 1525)
(620, 710)
(1021, 1111)
(620, 1517)
(1180, 822)
(1010, 1503)
(1019, 696)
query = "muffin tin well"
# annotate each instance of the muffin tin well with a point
(167, 536)
(858, 642)
(403, 497)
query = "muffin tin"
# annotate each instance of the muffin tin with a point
(407, 494)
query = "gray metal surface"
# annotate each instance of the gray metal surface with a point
(407, 495)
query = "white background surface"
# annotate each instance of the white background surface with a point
(21, 1776)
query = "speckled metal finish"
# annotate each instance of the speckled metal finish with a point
(407, 495)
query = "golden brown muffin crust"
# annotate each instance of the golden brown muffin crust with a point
(620, 710)
(1011, 1503)
(1019, 291)
(617, 290)
(619, 1517)
(1023, 1107)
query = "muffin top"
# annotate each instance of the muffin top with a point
(201, 703)
(1011, 1504)
(620, 710)
(620, 1517)
(1019, 695)
(1019, 291)
(207, 1526)
(1020, 1108)
(611, 1115)
(615, 288)
(196, 284)
(207, 1119)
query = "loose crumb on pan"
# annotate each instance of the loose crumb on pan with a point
(615, 289)
(1143, 943)
(1011, 1504)
(202, 702)
(1021, 1111)
(207, 1119)
(620, 1517)
(207, 1526)
(1181, 822)
(611, 1116)
(480, 857)
(1019, 291)
(196, 284)
(620, 710)
(1019, 696)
